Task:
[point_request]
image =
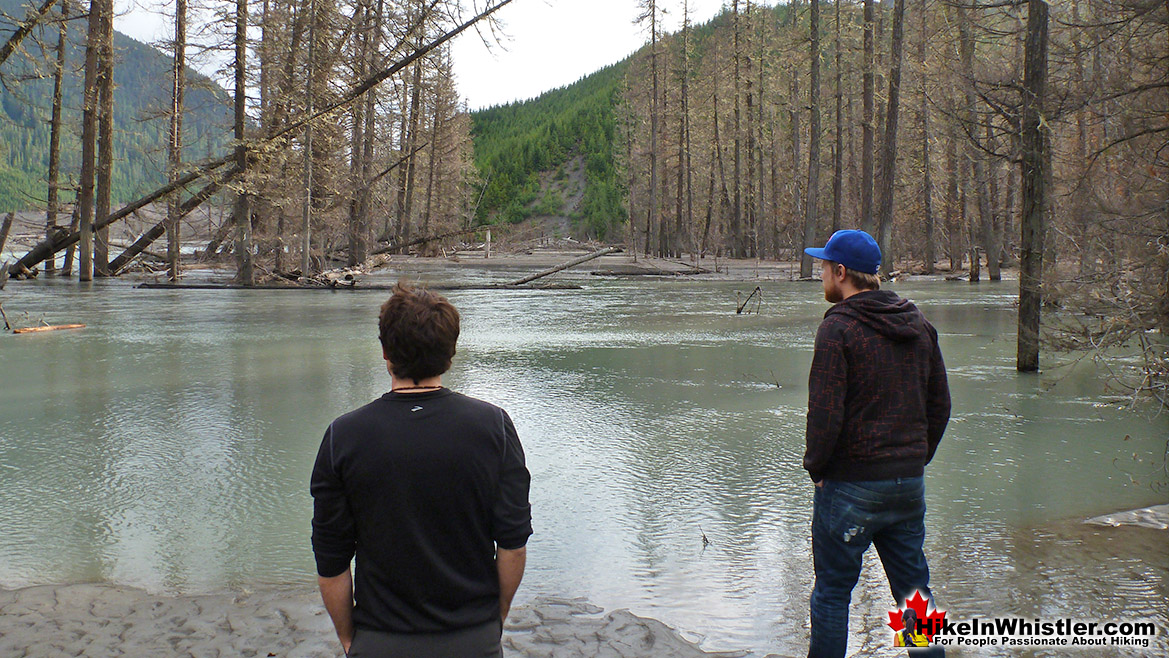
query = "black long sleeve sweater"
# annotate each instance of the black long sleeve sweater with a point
(422, 488)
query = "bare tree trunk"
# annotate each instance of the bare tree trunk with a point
(1034, 143)
(4, 228)
(105, 139)
(736, 246)
(359, 248)
(89, 140)
(886, 188)
(680, 182)
(709, 205)
(811, 208)
(306, 216)
(838, 151)
(357, 140)
(243, 206)
(927, 192)
(953, 230)
(975, 154)
(431, 163)
(363, 227)
(867, 147)
(990, 228)
(54, 203)
(408, 184)
(652, 217)
(74, 222)
(175, 151)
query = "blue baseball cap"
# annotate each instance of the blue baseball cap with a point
(853, 249)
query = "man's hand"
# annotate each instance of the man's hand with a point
(337, 593)
(510, 565)
(819, 485)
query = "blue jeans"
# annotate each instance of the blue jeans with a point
(846, 518)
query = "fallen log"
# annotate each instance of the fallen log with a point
(3, 274)
(394, 246)
(48, 327)
(564, 266)
(157, 231)
(356, 286)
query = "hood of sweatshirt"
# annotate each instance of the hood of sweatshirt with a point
(884, 312)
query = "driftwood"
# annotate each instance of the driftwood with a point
(48, 327)
(758, 301)
(3, 274)
(394, 246)
(564, 266)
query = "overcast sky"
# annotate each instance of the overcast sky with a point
(550, 43)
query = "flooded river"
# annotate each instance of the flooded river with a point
(168, 446)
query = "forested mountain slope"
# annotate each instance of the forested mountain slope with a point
(518, 144)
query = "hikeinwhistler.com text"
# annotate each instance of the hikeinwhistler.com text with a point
(1021, 632)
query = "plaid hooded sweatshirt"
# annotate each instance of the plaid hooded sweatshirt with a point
(878, 400)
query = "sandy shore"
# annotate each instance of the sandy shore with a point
(96, 621)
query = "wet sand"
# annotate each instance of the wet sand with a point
(105, 620)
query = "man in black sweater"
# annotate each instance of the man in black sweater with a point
(878, 403)
(428, 488)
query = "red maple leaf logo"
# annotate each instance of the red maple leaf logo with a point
(929, 622)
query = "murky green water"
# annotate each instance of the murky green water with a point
(168, 446)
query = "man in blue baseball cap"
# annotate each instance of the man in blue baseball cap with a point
(878, 403)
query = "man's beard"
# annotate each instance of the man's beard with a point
(832, 294)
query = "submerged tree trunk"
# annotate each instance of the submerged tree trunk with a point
(1034, 143)
(89, 141)
(175, 151)
(54, 202)
(105, 140)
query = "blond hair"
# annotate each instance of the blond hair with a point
(862, 280)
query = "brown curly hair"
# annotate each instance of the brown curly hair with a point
(418, 330)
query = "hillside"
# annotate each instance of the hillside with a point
(530, 155)
(141, 96)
